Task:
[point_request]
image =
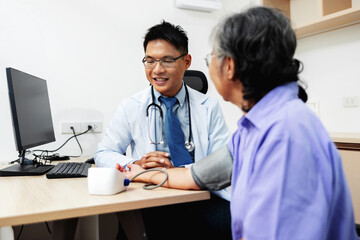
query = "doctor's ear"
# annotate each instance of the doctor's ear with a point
(187, 60)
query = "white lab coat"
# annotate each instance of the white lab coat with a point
(130, 127)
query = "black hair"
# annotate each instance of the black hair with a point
(302, 94)
(262, 43)
(174, 35)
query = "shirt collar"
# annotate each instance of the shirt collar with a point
(180, 95)
(277, 97)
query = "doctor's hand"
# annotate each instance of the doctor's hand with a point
(155, 159)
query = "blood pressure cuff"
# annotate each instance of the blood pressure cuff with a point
(214, 171)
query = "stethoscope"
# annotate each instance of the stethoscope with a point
(189, 145)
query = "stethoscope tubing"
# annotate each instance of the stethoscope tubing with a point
(189, 144)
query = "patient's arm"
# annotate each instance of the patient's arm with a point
(179, 178)
(213, 173)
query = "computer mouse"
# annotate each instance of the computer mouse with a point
(90, 160)
(106, 181)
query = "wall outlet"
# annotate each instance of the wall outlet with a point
(97, 126)
(80, 127)
(351, 101)
(66, 127)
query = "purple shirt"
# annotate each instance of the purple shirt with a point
(288, 181)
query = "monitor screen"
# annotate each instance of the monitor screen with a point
(30, 108)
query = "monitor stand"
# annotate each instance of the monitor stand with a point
(25, 169)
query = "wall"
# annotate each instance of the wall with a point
(90, 54)
(331, 70)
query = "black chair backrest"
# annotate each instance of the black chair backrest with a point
(196, 80)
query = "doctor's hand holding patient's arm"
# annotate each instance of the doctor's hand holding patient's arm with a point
(156, 159)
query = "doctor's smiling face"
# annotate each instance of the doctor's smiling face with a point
(165, 66)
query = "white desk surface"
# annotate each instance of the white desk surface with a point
(33, 199)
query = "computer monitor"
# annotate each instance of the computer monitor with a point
(31, 118)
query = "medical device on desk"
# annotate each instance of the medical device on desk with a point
(189, 145)
(109, 181)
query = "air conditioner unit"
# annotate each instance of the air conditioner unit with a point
(199, 5)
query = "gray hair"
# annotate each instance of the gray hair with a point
(262, 44)
(217, 40)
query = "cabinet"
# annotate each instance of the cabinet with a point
(349, 148)
(310, 17)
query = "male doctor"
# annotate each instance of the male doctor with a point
(137, 123)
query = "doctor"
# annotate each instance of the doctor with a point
(141, 122)
(166, 59)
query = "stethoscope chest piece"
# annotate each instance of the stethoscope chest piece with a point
(189, 146)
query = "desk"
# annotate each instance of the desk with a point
(35, 199)
(349, 148)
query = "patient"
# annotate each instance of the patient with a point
(285, 172)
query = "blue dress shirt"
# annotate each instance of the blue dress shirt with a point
(287, 181)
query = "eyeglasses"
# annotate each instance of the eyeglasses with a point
(166, 62)
(209, 58)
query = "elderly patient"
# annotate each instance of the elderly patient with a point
(286, 174)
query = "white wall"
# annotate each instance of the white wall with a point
(332, 71)
(90, 53)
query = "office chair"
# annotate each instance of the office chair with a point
(196, 80)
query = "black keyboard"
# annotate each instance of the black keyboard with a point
(69, 170)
